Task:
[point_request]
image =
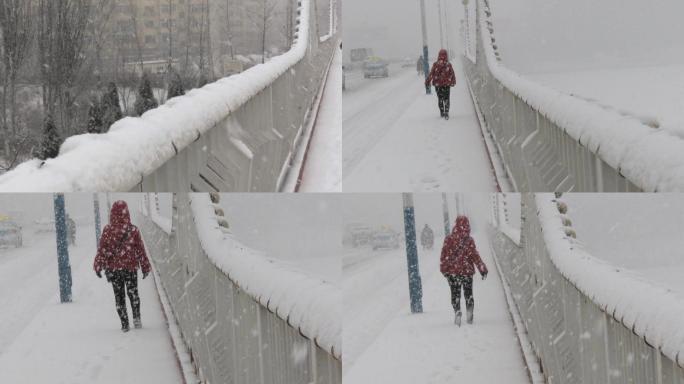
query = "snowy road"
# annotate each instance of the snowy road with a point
(390, 345)
(394, 139)
(43, 341)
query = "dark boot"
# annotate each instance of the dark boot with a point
(137, 323)
(469, 317)
(125, 328)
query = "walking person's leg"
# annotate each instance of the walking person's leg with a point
(469, 299)
(440, 100)
(133, 296)
(447, 101)
(455, 285)
(119, 286)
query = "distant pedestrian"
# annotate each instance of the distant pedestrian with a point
(443, 78)
(120, 253)
(457, 263)
(71, 230)
(427, 237)
(420, 65)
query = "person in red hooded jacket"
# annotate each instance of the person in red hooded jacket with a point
(120, 252)
(443, 78)
(457, 263)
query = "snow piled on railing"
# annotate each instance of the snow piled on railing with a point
(652, 159)
(136, 146)
(652, 312)
(307, 303)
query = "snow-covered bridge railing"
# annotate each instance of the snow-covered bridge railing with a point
(550, 141)
(587, 321)
(236, 134)
(243, 317)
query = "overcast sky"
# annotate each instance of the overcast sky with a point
(386, 209)
(551, 35)
(392, 27)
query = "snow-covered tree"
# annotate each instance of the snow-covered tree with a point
(175, 86)
(51, 141)
(145, 100)
(94, 117)
(111, 107)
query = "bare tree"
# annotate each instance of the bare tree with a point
(17, 35)
(134, 20)
(99, 30)
(62, 26)
(262, 18)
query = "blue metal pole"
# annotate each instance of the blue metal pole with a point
(96, 208)
(415, 284)
(445, 209)
(426, 66)
(63, 266)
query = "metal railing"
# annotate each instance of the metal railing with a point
(582, 336)
(232, 336)
(550, 141)
(236, 134)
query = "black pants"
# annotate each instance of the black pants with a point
(455, 283)
(126, 282)
(443, 99)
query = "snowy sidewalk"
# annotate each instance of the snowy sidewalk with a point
(394, 139)
(79, 342)
(429, 348)
(323, 167)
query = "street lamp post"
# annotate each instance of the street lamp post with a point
(96, 209)
(426, 67)
(63, 266)
(445, 209)
(415, 284)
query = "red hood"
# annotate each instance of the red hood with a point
(462, 227)
(443, 55)
(119, 216)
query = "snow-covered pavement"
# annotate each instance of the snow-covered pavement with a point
(43, 341)
(323, 167)
(427, 347)
(394, 139)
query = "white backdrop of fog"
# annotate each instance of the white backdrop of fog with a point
(557, 35)
(392, 27)
(386, 209)
(304, 229)
(26, 208)
(635, 231)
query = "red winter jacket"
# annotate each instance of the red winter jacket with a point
(442, 73)
(131, 251)
(459, 256)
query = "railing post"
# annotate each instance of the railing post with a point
(415, 285)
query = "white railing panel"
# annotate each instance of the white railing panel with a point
(550, 141)
(233, 336)
(605, 336)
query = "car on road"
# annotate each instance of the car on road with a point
(408, 63)
(385, 239)
(375, 67)
(10, 233)
(357, 235)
